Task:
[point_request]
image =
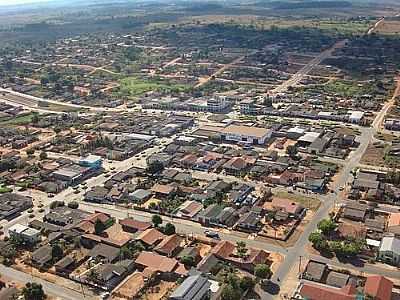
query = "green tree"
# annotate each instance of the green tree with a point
(327, 226)
(230, 293)
(126, 253)
(155, 167)
(99, 226)
(156, 220)
(30, 151)
(169, 229)
(292, 151)
(262, 271)
(33, 291)
(56, 252)
(35, 119)
(241, 249)
(73, 204)
(188, 261)
(246, 283)
(43, 155)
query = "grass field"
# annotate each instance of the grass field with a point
(308, 202)
(20, 120)
(133, 87)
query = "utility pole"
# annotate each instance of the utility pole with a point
(299, 265)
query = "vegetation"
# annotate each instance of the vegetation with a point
(262, 271)
(33, 291)
(169, 229)
(73, 204)
(99, 226)
(156, 220)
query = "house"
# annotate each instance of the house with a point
(209, 216)
(389, 250)
(97, 194)
(155, 261)
(315, 271)
(65, 266)
(280, 204)
(235, 166)
(189, 209)
(194, 287)
(193, 252)
(378, 287)
(110, 275)
(140, 195)
(105, 253)
(355, 211)
(365, 185)
(88, 224)
(163, 190)
(393, 224)
(249, 221)
(210, 264)
(248, 134)
(227, 251)
(43, 256)
(313, 291)
(132, 226)
(24, 234)
(150, 237)
(169, 246)
(337, 279)
(93, 162)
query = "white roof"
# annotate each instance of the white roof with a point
(309, 137)
(324, 113)
(296, 129)
(144, 137)
(391, 244)
(91, 158)
(373, 243)
(356, 114)
(18, 228)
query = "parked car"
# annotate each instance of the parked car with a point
(211, 234)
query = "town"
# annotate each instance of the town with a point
(202, 157)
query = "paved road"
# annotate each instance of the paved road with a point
(49, 288)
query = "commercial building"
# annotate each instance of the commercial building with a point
(246, 134)
(91, 161)
(194, 287)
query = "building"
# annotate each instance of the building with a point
(91, 161)
(246, 134)
(378, 287)
(356, 116)
(25, 234)
(389, 250)
(218, 104)
(194, 287)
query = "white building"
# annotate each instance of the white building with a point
(246, 134)
(24, 233)
(389, 250)
(356, 116)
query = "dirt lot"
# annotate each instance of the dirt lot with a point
(130, 288)
(159, 291)
(308, 202)
(374, 156)
(388, 27)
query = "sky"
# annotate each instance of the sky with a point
(11, 2)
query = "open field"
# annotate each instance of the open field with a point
(308, 202)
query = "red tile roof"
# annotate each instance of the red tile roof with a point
(156, 262)
(151, 236)
(169, 244)
(135, 224)
(379, 287)
(313, 291)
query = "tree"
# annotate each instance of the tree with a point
(230, 293)
(30, 151)
(327, 226)
(292, 151)
(99, 226)
(33, 291)
(241, 249)
(188, 261)
(246, 283)
(56, 252)
(43, 155)
(157, 220)
(155, 167)
(126, 253)
(262, 271)
(169, 229)
(73, 205)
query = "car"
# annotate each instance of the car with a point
(104, 295)
(211, 234)
(341, 188)
(51, 195)
(76, 191)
